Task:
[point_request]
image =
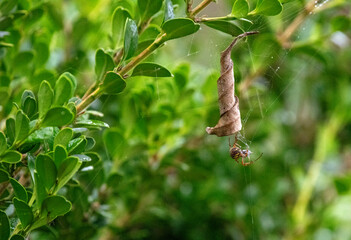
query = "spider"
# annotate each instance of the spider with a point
(236, 153)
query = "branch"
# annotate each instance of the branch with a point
(199, 8)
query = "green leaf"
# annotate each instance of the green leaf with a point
(11, 156)
(4, 176)
(224, 26)
(45, 98)
(6, 6)
(19, 190)
(22, 126)
(103, 64)
(115, 142)
(22, 60)
(5, 226)
(130, 39)
(46, 170)
(3, 143)
(42, 134)
(11, 129)
(60, 154)
(148, 8)
(63, 137)
(42, 53)
(29, 106)
(179, 27)
(24, 212)
(240, 8)
(119, 19)
(91, 123)
(77, 145)
(40, 190)
(54, 206)
(113, 83)
(267, 7)
(169, 14)
(66, 171)
(17, 237)
(57, 117)
(64, 90)
(151, 70)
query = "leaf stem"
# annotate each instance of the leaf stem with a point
(199, 8)
(88, 100)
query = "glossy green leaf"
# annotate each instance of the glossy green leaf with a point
(11, 156)
(63, 137)
(24, 212)
(91, 123)
(57, 117)
(225, 26)
(240, 8)
(26, 94)
(77, 145)
(40, 135)
(179, 27)
(90, 143)
(5, 226)
(3, 143)
(46, 170)
(17, 237)
(11, 129)
(130, 39)
(45, 98)
(103, 64)
(29, 106)
(4, 176)
(19, 190)
(119, 19)
(267, 7)
(54, 206)
(148, 8)
(60, 154)
(151, 70)
(66, 171)
(22, 126)
(169, 14)
(112, 84)
(63, 90)
(40, 190)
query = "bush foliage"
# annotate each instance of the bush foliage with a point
(104, 106)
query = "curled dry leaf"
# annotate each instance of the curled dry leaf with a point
(230, 121)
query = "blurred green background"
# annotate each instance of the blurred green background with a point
(161, 175)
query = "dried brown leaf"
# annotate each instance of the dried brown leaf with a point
(230, 121)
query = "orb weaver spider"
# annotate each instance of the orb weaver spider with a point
(236, 153)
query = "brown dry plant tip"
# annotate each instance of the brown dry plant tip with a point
(230, 120)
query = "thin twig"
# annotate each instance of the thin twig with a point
(199, 8)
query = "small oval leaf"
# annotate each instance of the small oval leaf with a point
(46, 170)
(130, 39)
(103, 64)
(19, 190)
(240, 8)
(267, 7)
(66, 171)
(11, 156)
(57, 117)
(224, 26)
(24, 212)
(3, 143)
(22, 125)
(151, 70)
(119, 19)
(179, 27)
(5, 226)
(113, 83)
(55, 206)
(63, 90)
(45, 98)
(60, 154)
